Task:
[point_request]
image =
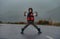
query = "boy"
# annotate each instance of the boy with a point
(30, 20)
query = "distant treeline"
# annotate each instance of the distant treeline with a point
(16, 23)
(40, 22)
(1, 22)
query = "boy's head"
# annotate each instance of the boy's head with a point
(30, 10)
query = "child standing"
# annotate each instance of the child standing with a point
(30, 20)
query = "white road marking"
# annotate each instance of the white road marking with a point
(49, 37)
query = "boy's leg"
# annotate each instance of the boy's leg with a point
(39, 31)
(24, 28)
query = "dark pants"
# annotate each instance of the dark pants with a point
(31, 22)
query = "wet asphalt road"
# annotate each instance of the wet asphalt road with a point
(12, 31)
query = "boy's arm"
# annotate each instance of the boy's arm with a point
(35, 14)
(25, 13)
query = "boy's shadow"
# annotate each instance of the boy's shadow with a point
(31, 36)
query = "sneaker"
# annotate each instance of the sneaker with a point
(39, 32)
(22, 31)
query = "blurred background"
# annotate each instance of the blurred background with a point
(13, 11)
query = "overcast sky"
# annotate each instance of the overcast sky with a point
(13, 10)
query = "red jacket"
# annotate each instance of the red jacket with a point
(30, 17)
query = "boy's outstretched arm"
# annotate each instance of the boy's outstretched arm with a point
(35, 14)
(25, 13)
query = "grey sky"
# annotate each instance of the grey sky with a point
(13, 10)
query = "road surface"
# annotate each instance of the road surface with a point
(12, 31)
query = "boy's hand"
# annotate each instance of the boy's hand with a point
(25, 13)
(36, 13)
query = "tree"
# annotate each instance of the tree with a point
(0, 21)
